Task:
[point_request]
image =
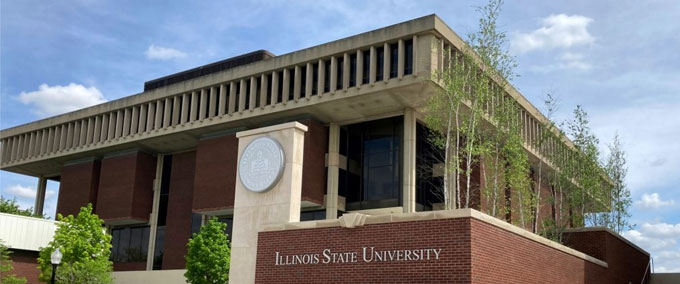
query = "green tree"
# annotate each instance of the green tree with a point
(86, 248)
(6, 267)
(208, 254)
(617, 216)
(10, 206)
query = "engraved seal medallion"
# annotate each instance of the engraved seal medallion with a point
(261, 164)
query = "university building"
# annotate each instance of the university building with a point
(336, 191)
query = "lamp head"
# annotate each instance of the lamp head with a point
(56, 257)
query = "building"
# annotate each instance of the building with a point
(347, 118)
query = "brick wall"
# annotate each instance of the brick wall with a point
(178, 230)
(473, 251)
(314, 162)
(126, 187)
(25, 264)
(78, 187)
(215, 178)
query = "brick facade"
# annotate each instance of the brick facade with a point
(314, 162)
(178, 229)
(472, 251)
(126, 188)
(25, 264)
(78, 186)
(215, 175)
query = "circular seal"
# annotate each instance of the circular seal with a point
(261, 164)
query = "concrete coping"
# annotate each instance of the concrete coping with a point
(430, 215)
(610, 231)
(272, 128)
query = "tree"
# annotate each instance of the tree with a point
(208, 254)
(471, 77)
(10, 206)
(6, 267)
(620, 201)
(86, 248)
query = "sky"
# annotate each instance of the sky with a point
(619, 59)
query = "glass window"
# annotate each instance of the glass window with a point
(366, 75)
(303, 81)
(394, 59)
(340, 67)
(315, 78)
(327, 76)
(429, 175)
(129, 244)
(373, 175)
(380, 51)
(408, 58)
(353, 70)
(313, 215)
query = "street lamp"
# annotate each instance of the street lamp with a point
(55, 258)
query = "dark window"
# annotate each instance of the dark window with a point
(129, 244)
(429, 170)
(269, 89)
(162, 212)
(230, 222)
(227, 88)
(408, 58)
(196, 220)
(313, 215)
(247, 97)
(380, 63)
(279, 95)
(303, 81)
(394, 60)
(217, 99)
(366, 75)
(353, 70)
(340, 67)
(315, 78)
(237, 95)
(327, 76)
(291, 83)
(373, 176)
(258, 89)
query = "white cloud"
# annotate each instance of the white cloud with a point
(652, 201)
(25, 192)
(163, 53)
(661, 239)
(54, 100)
(566, 61)
(558, 31)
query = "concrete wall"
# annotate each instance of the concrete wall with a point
(175, 276)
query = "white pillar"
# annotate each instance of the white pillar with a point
(153, 217)
(333, 171)
(409, 175)
(279, 205)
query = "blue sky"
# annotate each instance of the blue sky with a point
(619, 59)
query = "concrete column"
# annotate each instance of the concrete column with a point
(409, 175)
(345, 72)
(176, 110)
(373, 67)
(48, 149)
(93, 129)
(401, 55)
(203, 102)
(264, 84)
(253, 94)
(286, 86)
(40, 196)
(360, 68)
(334, 74)
(69, 137)
(275, 88)
(322, 77)
(62, 139)
(280, 205)
(309, 78)
(167, 112)
(158, 121)
(142, 118)
(386, 62)
(150, 116)
(126, 120)
(31, 143)
(232, 97)
(297, 82)
(222, 108)
(333, 171)
(153, 217)
(212, 103)
(242, 95)
(134, 125)
(193, 107)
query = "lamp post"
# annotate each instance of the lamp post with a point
(55, 258)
